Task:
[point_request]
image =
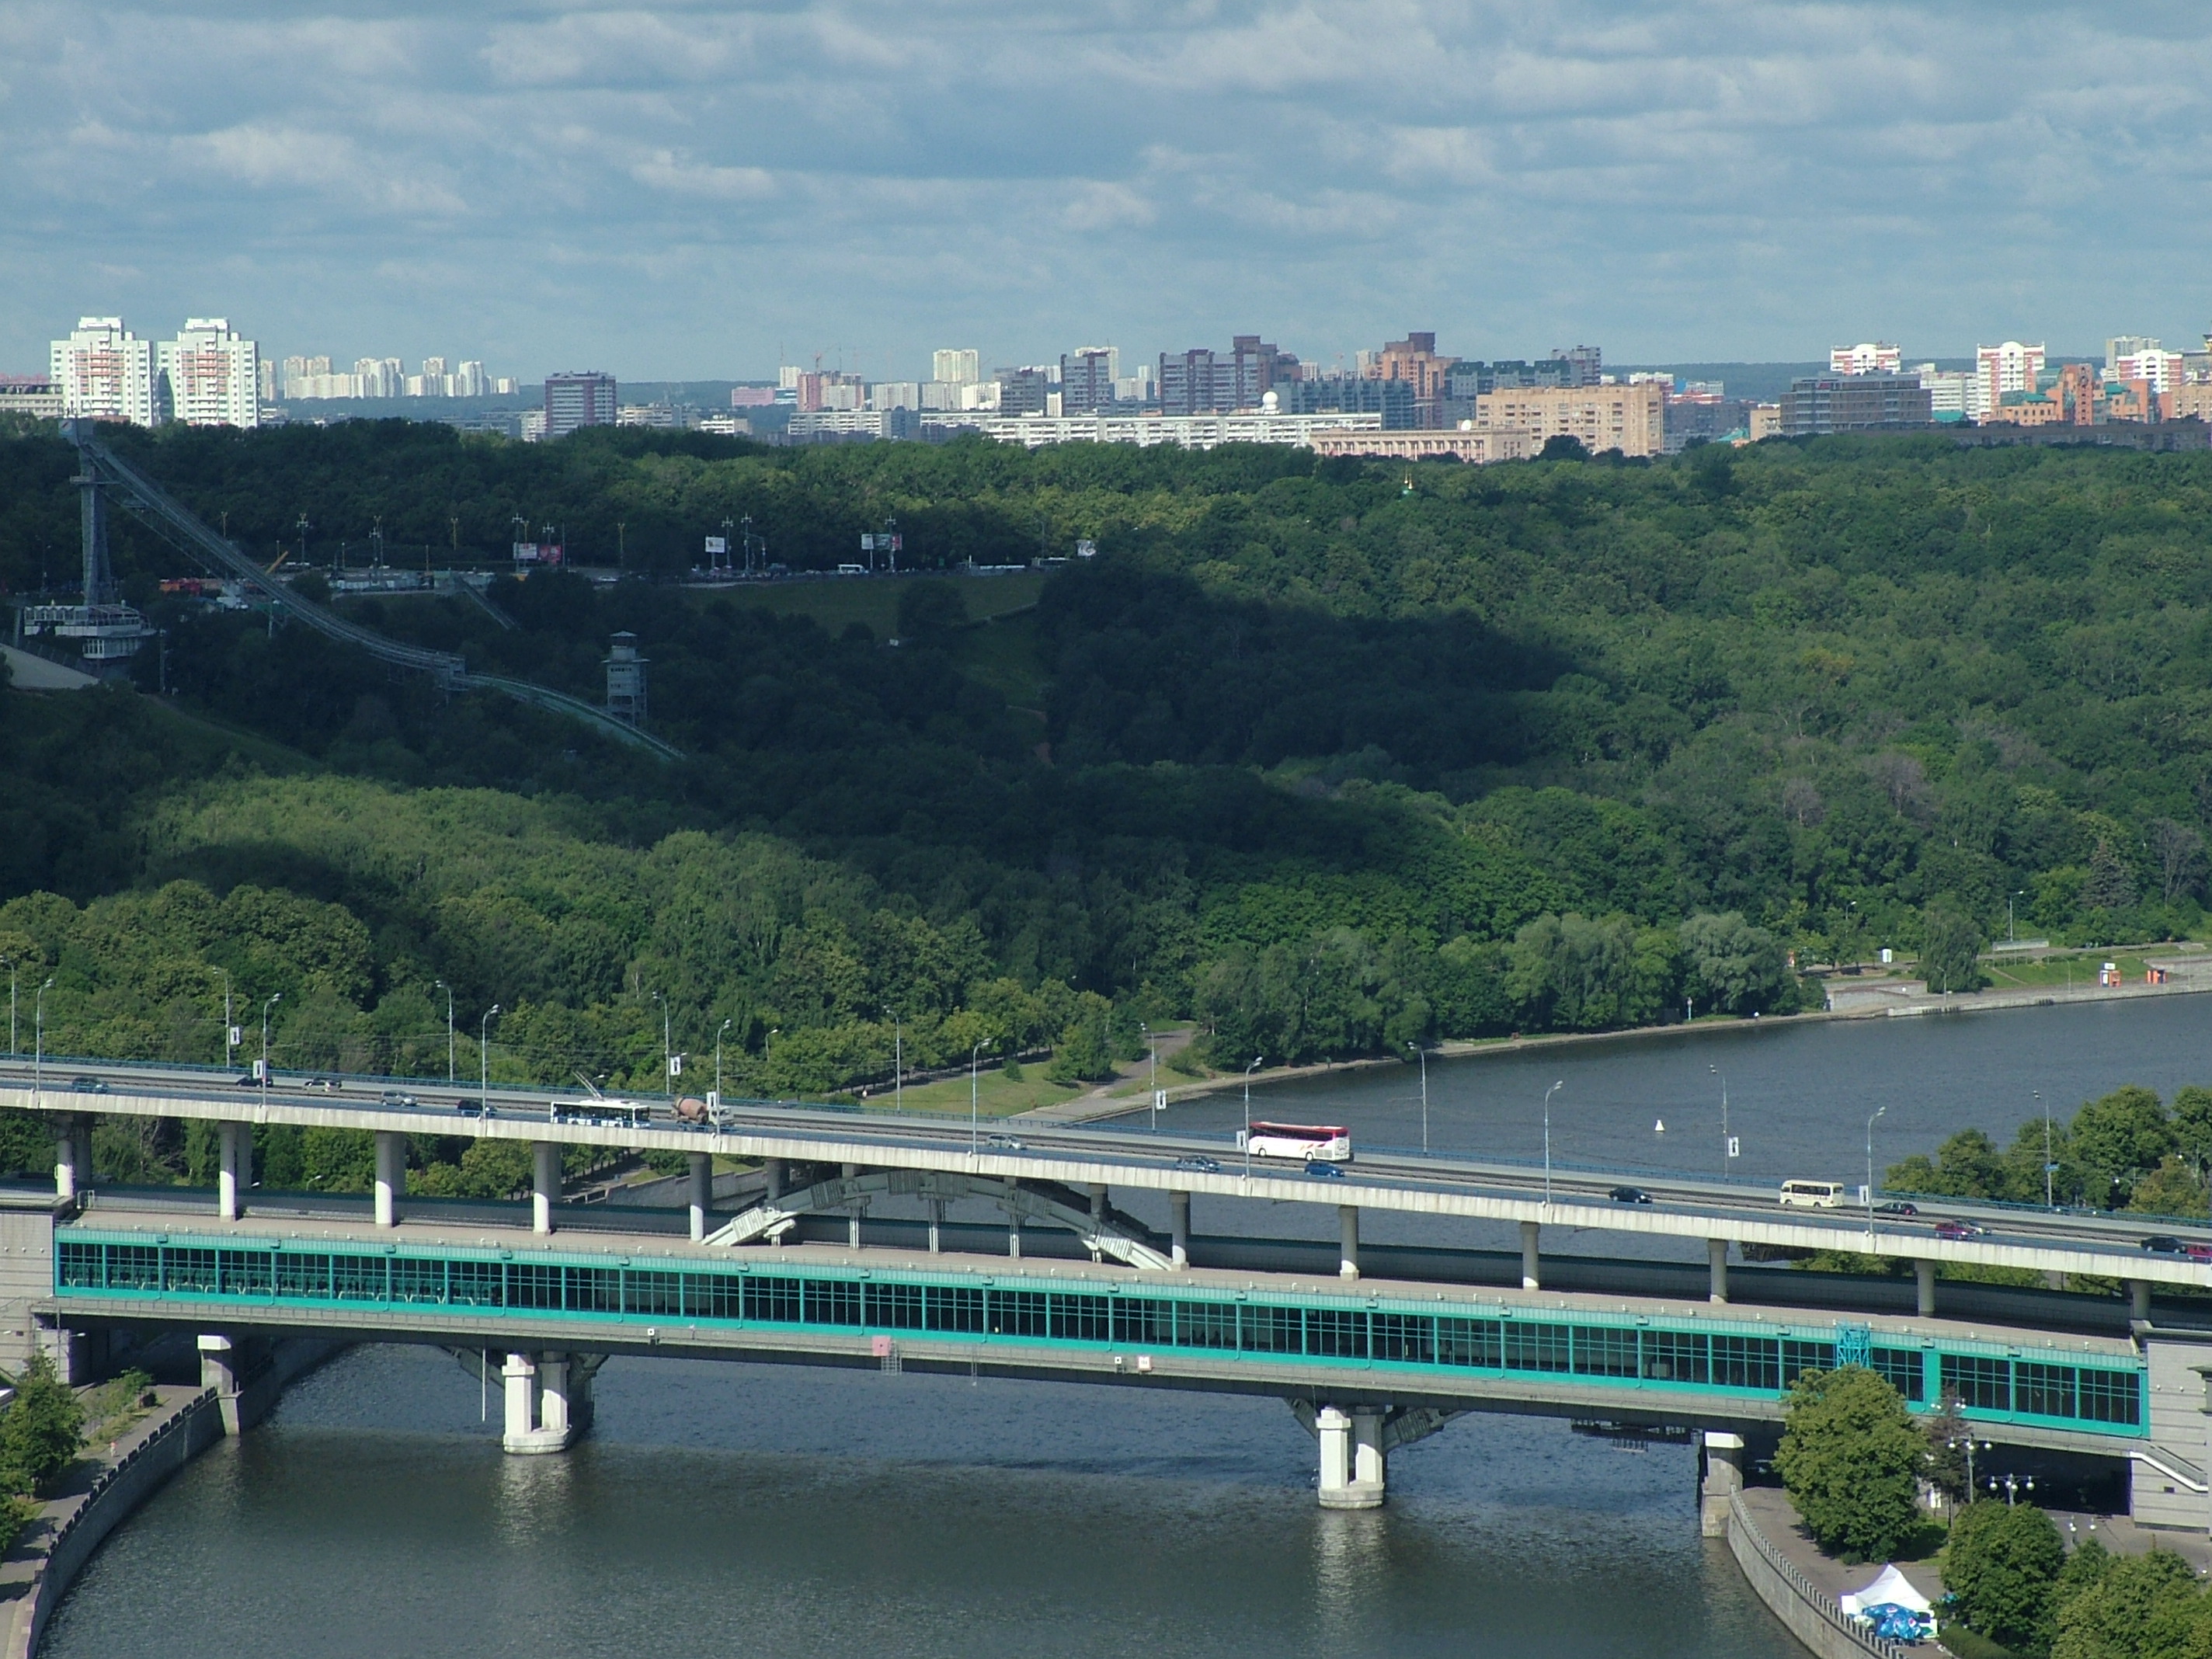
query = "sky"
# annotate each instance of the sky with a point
(673, 191)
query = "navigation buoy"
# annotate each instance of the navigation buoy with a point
(1659, 1126)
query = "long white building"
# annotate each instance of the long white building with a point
(104, 372)
(212, 375)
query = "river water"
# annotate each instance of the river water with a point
(725, 1508)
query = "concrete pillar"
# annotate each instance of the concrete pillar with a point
(218, 1364)
(1333, 1428)
(772, 1169)
(1179, 1228)
(1352, 1462)
(553, 1394)
(936, 1225)
(852, 1226)
(1367, 1456)
(544, 1183)
(1722, 1479)
(226, 1179)
(2139, 1299)
(703, 1192)
(1013, 1235)
(1716, 1265)
(391, 1176)
(1531, 1277)
(1098, 1213)
(1924, 1274)
(72, 1158)
(1347, 1229)
(519, 1375)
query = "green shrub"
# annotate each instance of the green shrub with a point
(1850, 1458)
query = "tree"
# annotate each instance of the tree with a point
(1850, 1458)
(1950, 949)
(42, 1430)
(2134, 1608)
(1732, 965)
(2192, 1128)
(1947, 1451)
(2001, 1563)
(2118, 1138)
(2179, 851)
(930, 610)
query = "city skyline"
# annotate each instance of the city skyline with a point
(672, 193)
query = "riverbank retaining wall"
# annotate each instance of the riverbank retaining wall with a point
(1812, 1616)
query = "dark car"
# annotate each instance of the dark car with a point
(1630, 1195)
(2164, 1244)
(1960, 1229)
(1897, 1206)
(249, 1081)
(88, 1086)
(1324, 1172)
(1203, 1165)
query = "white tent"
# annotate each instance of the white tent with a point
(1891, 1587)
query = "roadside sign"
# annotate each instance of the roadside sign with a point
(1159, 1100)
(237, 1036)
(676, 1066)
(1736, 1147)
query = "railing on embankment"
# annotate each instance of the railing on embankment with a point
(1812, 1615)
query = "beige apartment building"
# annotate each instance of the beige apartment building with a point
(1479, 446)
(1632, 419)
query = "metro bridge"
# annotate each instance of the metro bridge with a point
(1369, 1362)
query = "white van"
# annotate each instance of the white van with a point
(1811, 1195)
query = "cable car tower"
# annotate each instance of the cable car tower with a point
(102, 630)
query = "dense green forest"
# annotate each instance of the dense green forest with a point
(1332, 757)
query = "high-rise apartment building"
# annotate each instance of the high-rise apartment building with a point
(1852, 403)
(470, 380)
(211, 375)
(2011, 366)
(1868, 358)
(1194, 382)
(2149, 362)
(105, 372)
(1632, 419)
(578, 399)
(1086, 379)
(960, 366)
(1950, 390)
(1414, 361)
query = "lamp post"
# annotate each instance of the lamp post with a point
(228, 1045)
(975, 1120)
(1548, 1093)
(39, 1060)
(483, 1061)
(1878, 1111)
(2012, 1485)
(667, 1070)
(266, 1007)
(898, 1062)
(2047, 1166)
(720, 1030)
(1152, 1043)
(1249, 1070)
(11, 961)
(1421, 1051)
(1725, 1143)
(2009, 897)
(448, 990)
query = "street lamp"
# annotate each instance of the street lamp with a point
(11, 961)
(266, 1007)
(1249, 1070)
(2009, 897)
(483, 1061)
(1421, 1051)
(667, 1070)
(724, 1026)
(2047, 1165)
(1548, 1093)
(39, 1061)
(448, 990)
(1152, 1043)
(974, 1121)
(1878, 1111)
(898, 1062)
(1726, 1144)
(228, 1044)
(2012, 1485)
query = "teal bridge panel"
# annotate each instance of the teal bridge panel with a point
(1382, 1336)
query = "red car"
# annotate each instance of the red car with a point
(1960, 1229)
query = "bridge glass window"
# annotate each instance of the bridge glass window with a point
(1981, 1383)
(833, 1302)
(80, 1267)
(474, 1283)
(652, 1292)
(303, 1274)
(1798, 1358)
(1746, 1362)
(2044, 1390)
(1901, 1369)
(1676, 1357)
(1472, 1342)
(1337, 1332)
(1534, 1348)
(530, 1285)
(359, 1277)
(955, 1308)
(1143, 1319)
(1601, 1351)
(1272, 1330)
(1080, 1319)
(417, 1281)
(1019, 1313)
(779, 1301)
(894, 1307)
(2111, 1396)
(247, 1272)
(1409, 1339)
(188, 1270)
(595, 1290)
(1207, 1325)
(712, 1295)
(133, 1268)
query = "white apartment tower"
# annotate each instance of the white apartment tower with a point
(957, 367)
(212, 375)
(1868, 358)
(105, 372)
(2011, 366)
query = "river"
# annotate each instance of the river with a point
(718, 1508)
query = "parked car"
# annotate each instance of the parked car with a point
(1004, 1144)
(88, 1086)
(1630, 1195)
(1897, 1206)
(1960, 1229)
(1194, 1161)
(1324, 1171)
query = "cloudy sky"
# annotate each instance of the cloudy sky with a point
(696, 190)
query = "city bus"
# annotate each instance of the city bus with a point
(1811, 1195)
(1313, 1143)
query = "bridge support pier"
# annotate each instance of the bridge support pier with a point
(235, 1177)
(1097, 1214)
(72, 1158)
(936, 1225)
(772, 1172)
(1179, 1228)
(1351, 1457)
(1721, 1479)
(702, 1169)
(1923, 1274)
(391, 1176)
(1013, 1235)
(2139, 1299)
(1347, 1225)
(548, 1396)
(544, 1183)
(1717, 1264)
(1531, 1278)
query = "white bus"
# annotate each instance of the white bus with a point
(1305, 1142)
(1811, 1195)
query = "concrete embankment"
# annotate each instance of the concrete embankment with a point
(1811, 1614)
(113, 1479)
